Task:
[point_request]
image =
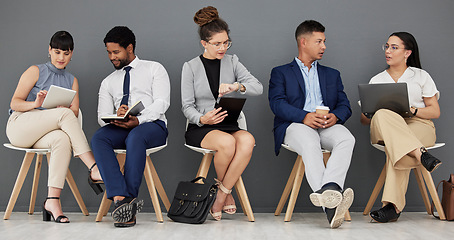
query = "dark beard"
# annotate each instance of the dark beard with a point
(123, 63)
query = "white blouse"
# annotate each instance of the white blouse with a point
(419, 84)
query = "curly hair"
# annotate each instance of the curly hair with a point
(209, 23)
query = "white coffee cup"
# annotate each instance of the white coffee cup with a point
(322, 109)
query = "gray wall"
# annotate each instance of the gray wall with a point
(262, 32)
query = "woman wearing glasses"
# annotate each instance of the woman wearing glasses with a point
(204, 79)
(405, 139)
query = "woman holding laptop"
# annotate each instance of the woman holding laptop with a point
(405, 139)
(204, 79)
(31, 126)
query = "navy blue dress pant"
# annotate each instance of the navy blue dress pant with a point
(136, 141)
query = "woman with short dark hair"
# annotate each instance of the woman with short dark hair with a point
(32, 126)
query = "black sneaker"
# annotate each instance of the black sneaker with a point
(385, 214)
(329, 196)
(428, 161)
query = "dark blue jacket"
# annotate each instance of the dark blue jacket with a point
(287, 95)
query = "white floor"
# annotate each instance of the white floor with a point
(311, 226)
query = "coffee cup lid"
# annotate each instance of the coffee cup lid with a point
(322, 108)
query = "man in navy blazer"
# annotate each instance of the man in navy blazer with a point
(296, 90)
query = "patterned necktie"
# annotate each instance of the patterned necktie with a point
(124, 100)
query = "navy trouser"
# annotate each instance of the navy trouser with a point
(135, 141)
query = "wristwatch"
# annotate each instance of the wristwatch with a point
(239, 86)
(416, 110)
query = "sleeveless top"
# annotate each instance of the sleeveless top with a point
(50, 75)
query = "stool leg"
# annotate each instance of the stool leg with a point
(38, 163)
(376, 191)
(105, 203)
(347, 216)
(205, 165)
(433, 191)
(244, 200)
(18, 184)
(158, 184)
(295, 189)
(423, 189)
(287, 189)
(240, 199)
(76, 193)
(152, 191)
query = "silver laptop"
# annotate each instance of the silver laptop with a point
(392, 96)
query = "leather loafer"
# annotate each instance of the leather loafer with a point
(428, 161)
(385, 214)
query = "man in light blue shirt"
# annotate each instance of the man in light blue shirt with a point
(313, 92)
(296, 90)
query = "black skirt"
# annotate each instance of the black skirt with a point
(195, 134)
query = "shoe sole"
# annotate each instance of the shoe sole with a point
(125, 224)
(126, 211)
(139, 206)
(346, 203)
(123, 213)
(329, 199)
(436, 166)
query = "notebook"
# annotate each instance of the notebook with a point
(58, 96)
(233, 106)
(134, 110)
(392, 96)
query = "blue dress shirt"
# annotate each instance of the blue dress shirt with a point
(313, 93)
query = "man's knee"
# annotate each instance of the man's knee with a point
(100, 135)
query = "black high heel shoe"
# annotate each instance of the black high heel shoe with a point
(94, 184)
(47, 215)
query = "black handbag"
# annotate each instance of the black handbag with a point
(192, 201)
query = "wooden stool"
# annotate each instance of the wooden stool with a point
(28, 158)
(420, 173)
(239, 185)
(293, 185)
(153, 183)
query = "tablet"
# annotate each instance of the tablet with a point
(392, 96)
(233, 106)
(58, 96)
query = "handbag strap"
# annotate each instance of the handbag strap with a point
(197, 179)
(433, 204)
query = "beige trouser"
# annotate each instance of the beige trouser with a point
(400, 137)
(57, 129)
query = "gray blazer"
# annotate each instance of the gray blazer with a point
(196, 96)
